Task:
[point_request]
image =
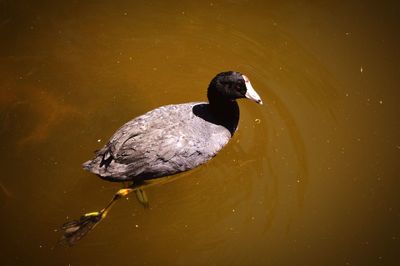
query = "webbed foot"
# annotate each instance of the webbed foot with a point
(76, 229)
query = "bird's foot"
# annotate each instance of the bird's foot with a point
(76, 229)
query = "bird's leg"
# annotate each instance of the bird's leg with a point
(142, 197)
(76, 229)
(120, 194)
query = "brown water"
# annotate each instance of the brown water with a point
(311, 177)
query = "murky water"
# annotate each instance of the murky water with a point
(311, 177)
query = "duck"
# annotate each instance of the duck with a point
(166, 141)
(174, 138)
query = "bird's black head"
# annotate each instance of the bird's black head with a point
(229, 86)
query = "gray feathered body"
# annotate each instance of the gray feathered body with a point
(164, 141)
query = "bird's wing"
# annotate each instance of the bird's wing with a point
(137, 127)
(164, 141)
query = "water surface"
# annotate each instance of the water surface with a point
(310, 178)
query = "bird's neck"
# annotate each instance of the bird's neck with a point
(226, 112)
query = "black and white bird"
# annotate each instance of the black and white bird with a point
(174, 138)
(167, 140)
